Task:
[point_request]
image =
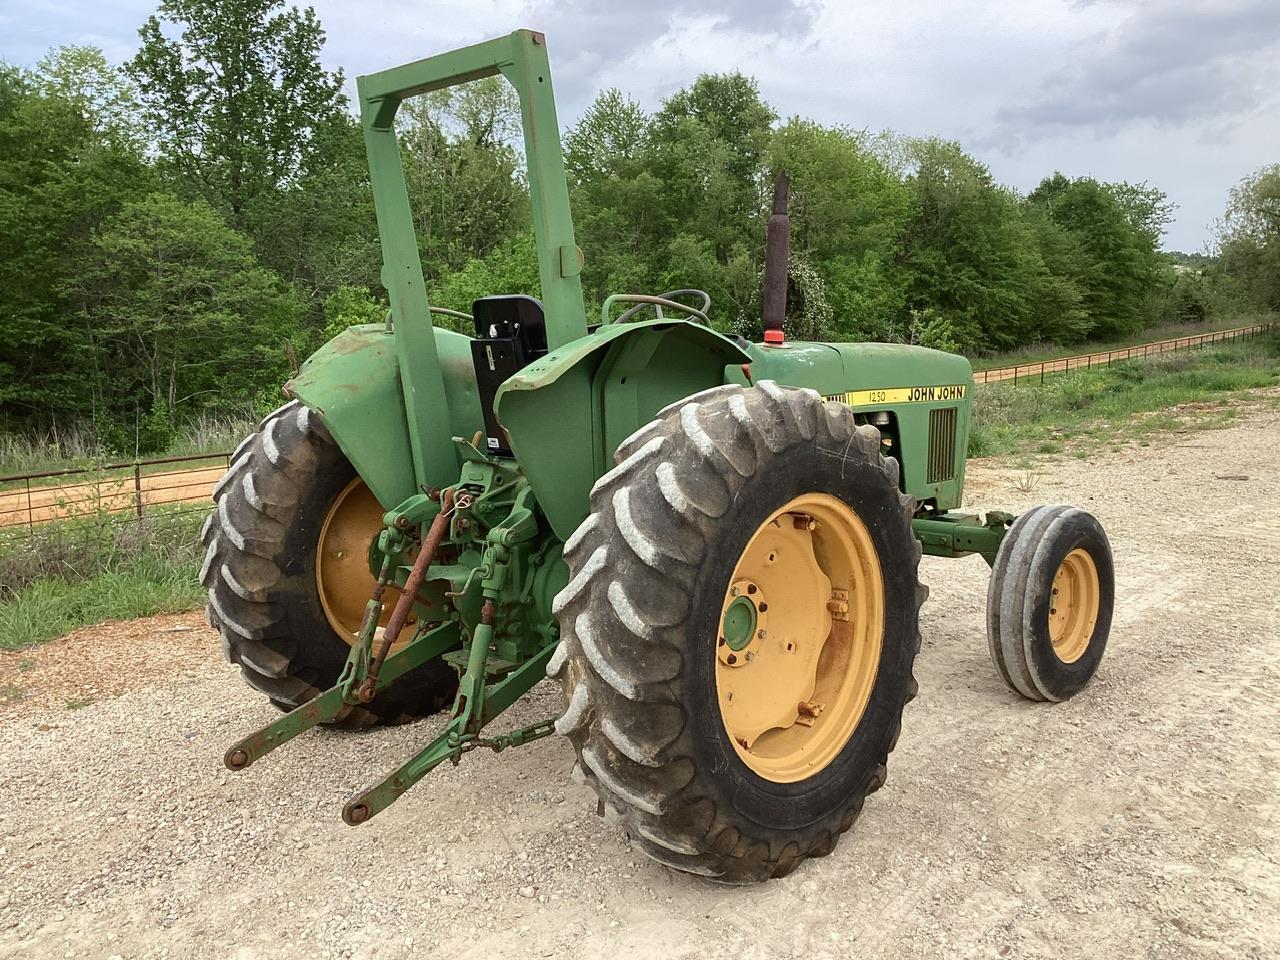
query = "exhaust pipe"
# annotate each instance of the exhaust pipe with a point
(776, 246)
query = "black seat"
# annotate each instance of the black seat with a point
(511, 333)
(512, 317)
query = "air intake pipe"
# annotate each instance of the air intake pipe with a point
(776, 247)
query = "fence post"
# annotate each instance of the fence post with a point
(137, 488)
(1042, 371)
(31, 519)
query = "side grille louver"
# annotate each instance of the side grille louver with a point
(942, 445)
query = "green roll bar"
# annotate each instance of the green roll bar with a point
(521, 58)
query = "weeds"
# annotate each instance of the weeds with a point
(81, 445)
(64, 575)
(1027, 481)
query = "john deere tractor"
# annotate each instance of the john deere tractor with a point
(710, 544)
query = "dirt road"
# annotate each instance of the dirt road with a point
(1138, 820)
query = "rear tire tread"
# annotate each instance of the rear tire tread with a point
(621, 641)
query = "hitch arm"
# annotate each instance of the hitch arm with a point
(454, 741)
(330, 704)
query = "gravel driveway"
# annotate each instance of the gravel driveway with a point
(1138, 820)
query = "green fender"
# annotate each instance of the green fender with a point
(566, 413)
(353, 384)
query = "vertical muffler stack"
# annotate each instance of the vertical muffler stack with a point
(776, 247)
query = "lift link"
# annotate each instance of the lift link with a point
(410, 593)
(476, 703)
(355, 684)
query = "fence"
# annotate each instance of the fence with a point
(131, 488)
(1033, 371)
(118, 488)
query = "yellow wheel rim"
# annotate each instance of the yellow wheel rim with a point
(1073, 605)
(343, 578)
(800, 635)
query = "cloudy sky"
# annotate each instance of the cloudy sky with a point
(1181, 93)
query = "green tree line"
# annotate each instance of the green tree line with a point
(177, 232)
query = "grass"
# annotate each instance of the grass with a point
(1082, 410)
(1037, 352)
(77, 573)
(79, 446)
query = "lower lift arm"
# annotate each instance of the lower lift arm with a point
(366, 673)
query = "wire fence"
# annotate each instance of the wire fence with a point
(1025, 372)
(127, 491)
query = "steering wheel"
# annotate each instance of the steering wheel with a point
(667, 300)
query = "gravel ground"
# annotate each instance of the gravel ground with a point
(1137, 820)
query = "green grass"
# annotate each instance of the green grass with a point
(1087, 409)
(1037, 352)
(78, 573)
(52, 608)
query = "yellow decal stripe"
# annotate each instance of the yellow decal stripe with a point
(893, 395)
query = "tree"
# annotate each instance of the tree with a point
(61, 177)
(1118, 267)
(848, 214)
(181, 314)
(1247, 274)
(969, 254)
(707, 147)
(511, 267)
(608, 141)
(104, 96)
(239, 102)
(462, 172)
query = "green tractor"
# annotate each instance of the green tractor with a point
(710, 544)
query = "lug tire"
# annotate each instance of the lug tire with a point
(259, 570)
(1019, 596)
(639, 616)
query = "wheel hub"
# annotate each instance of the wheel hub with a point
(799, 641)
(343, 578)
(1074, 602)
(741, 617)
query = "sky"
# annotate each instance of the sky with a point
(1180, 93)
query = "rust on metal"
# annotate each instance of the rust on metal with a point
(411, 587)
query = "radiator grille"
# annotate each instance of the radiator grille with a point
(942, 445)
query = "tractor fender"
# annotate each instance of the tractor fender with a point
(352, 383)
(567, 412)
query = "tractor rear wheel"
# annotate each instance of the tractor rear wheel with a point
(288, 575)
(739, 630)
(1049, 602)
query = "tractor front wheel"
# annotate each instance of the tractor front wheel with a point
(739, 630)
(1049, 602)
(287, 571)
